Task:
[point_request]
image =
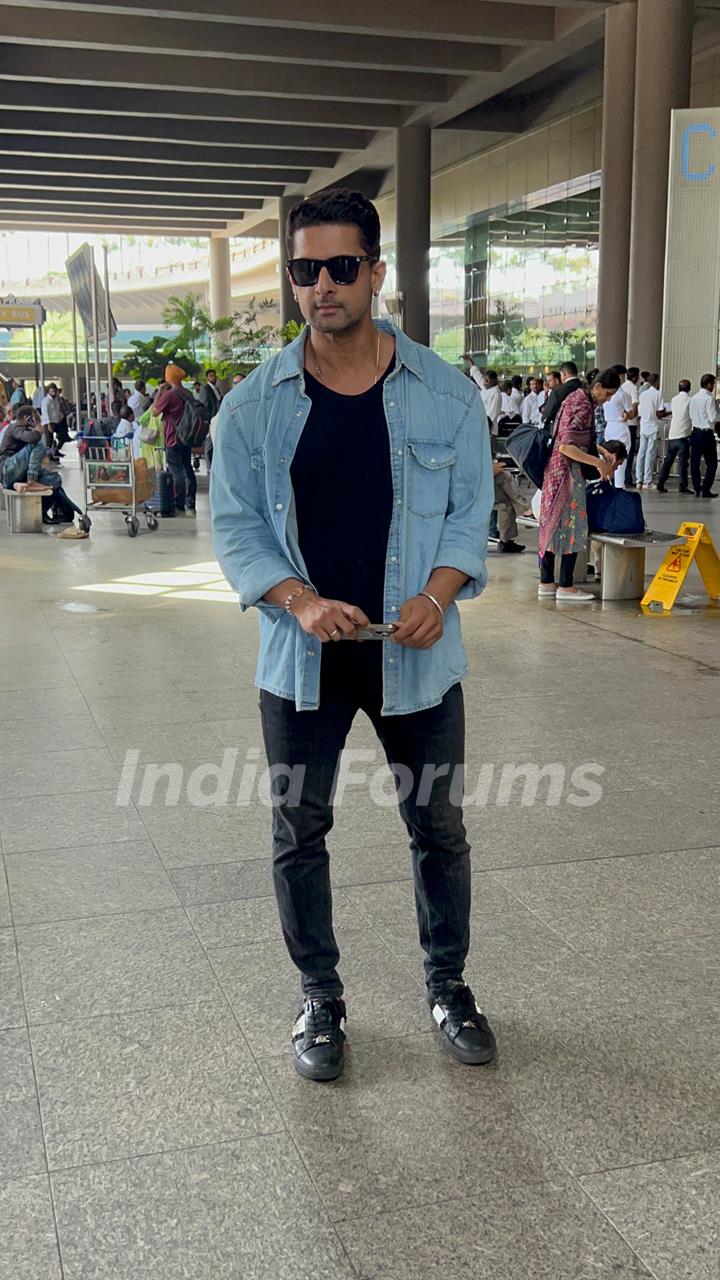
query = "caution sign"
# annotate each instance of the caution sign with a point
(698, 549)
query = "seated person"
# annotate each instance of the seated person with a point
(510, 503)
(23, 450)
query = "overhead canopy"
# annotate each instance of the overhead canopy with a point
(128, 117)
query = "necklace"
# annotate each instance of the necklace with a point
(318, 370)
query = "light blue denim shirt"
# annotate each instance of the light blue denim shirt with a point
(443, 493)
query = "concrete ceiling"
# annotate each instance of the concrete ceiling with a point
(126, 116)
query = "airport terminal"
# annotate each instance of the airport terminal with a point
(359, 607)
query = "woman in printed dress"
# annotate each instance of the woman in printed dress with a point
(563, 508)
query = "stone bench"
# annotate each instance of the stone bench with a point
(24, 511)
(623, 561)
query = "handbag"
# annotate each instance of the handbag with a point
(530, 447)
(612, 510)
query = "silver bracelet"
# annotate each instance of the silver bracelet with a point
(437, 603)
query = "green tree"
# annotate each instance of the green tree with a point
(148, 359)
(192, 320)
(249, 340)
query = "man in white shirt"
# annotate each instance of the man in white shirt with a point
(38, 396)
(516, 395)
(678, 439)
(703, 442)
(631, 387)
(651, 411)
(618, 411)
(51, 411)
(530, 410)
(139, 401)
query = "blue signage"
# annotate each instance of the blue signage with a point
(695, 175)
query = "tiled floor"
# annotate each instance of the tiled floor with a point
(151, 1125)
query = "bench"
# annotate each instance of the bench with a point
(623, 561)
(24, 511)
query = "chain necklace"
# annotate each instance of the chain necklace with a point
(318, 370)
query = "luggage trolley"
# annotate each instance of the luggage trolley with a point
(110, 483)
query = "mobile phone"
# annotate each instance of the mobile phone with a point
(376, 631)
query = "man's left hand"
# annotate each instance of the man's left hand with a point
(421, 624)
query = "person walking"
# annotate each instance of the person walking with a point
(703, 441)
(651, 413)
(678, 439)
(352, 484)
(563, 522)
(170, 406)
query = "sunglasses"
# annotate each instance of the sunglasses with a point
(342, 269)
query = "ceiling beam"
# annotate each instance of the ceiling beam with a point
(27, 183)
(465, 20)
(211, 75)
(168, 155)
(181, 133)
(137, 171)
(102, 30)
(115, 216)
(102, 226)
(214, 206)
(298, 123)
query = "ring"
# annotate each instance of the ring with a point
(334, 633)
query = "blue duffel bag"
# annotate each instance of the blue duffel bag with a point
(612, 510)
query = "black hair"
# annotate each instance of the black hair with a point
(592, 374)
(645, 373)
(197, 384)
(207, 371)
(517, 381)
(24, 413)
(569, 366)
(338, 206)
(126, 414)
(685, 385)
(633, 372)
(708, 380)
(140, 384)
(608, 379)
(555, 373)
(52, 386)
(619, 368)
(116, 407)
(507, 386)
(616, 447)
(491, 376)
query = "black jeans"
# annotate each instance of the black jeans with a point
(567, 569)
(179, 461)
(679, 449)
(438, 843)
(703, 445)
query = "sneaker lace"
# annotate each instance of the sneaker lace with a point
(322, 1020)
(461, 1003)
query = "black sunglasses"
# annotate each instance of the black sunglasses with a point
(343, 269)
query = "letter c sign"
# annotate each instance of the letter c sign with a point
(695, 175)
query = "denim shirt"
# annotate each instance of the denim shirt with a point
(442, 497)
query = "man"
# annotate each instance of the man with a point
(516, 395)
(678, 439)
(510, 503)
(651, 412)
(552, 381)
(703, 442)
(18, 398)
(38, 396)
(631, 389)
(618, 411)
(51, 416)
(238, 378)
(358, 462)
(139, 400)
(23, 449)
(568, 382)
(170, 406)
(211, 393)
(530, 409)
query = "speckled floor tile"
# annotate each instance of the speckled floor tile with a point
(75, 818)
(28, 1243)
(223, 882)
(12, 1012)
(21, 1144)
(92, 880)
(245, 1209)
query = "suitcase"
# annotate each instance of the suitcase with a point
(165, 494)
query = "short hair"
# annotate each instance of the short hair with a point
(633, 372)
(555, 373)
(620, 368)
(517, 381)
(24, 413)
(52, 386)
(708, 380)
(197, 386)
(616, 447)
(569, 366)
(209, 371)
(491, 376)
(645, 373)
(684, 385)
(338, 207)
(507, 386)
(126, 413)
(140, 384)
(608, 379)
(116, 408)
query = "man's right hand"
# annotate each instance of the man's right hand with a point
(328, 619)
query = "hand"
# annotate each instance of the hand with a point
(421, 624)
(606, 467)
(328, 619)
(498, 467)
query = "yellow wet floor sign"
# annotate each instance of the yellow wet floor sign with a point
(698, 547)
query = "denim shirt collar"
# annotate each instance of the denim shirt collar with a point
(291, 359)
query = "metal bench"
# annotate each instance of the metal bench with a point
(623, 561)
(24, 511)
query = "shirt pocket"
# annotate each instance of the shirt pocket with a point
(429, 470)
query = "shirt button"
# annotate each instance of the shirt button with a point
(432, 459)
(391, 404)
(399, 453)
(393, 559)
(399, 502)
(393, 608)
(278, 506)
(310, 653)
(391, 662)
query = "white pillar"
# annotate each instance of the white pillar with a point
(220, 283)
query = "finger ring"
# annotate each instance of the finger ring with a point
(334, 633)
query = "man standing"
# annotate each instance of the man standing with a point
(352, 484)
(170, 406)
(50, 416)
(618, 411)
(631, 388)
(703, 441)
(211, 394)
(568, 382)
(530, 411)
(651, 412)
(139, 401)
(678, 439)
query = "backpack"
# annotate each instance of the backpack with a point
(191, 430)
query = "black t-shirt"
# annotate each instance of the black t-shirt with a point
(342, 482)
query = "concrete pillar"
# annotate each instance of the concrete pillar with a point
(289, 309)
(616, 190)
(412, 227)
(662, 84)
(220, 284)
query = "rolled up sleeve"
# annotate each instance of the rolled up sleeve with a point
(463, 542)
(245, 543)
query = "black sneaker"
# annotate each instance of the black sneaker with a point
(511, 548)
(462, 1024)
(318, 1038)
(661, 489)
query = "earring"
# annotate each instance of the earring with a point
(376, 293)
